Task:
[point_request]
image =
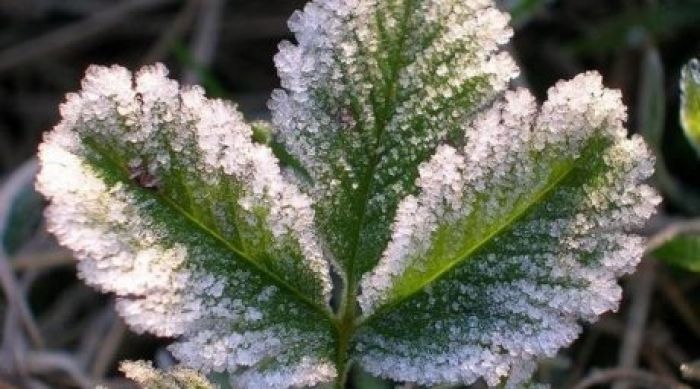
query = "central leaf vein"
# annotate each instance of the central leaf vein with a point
(208, 231)
(499, 229)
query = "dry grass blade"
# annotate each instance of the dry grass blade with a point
(43, 260)
(683, 307)
(642, 289)
(181, 23)
(14, 184)
(206, 37)
(641, 378)
(51, 362)
(83, 30)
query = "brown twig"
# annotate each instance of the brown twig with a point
(43, 260)
(47, 362)
(667, 229)
(641, 377)
(656, 336)
(96, 325)
(657, 363)
(675, 296)
(108, 348)
(63, 312)
(583, 356)
(642, 286)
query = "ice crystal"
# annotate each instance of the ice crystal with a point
(520, 294)
(208, 255)
(146, 376)
(474, 228)
(371, 88)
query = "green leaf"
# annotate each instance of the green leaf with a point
(168, 204)
(511, 240)
(682, 250)
(20, 208)
(690, 103)
(370, 90)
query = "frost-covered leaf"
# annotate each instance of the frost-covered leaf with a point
(370, 89)
(168, 204)
(480, 226)
(690, 102)
(148, 377)
(512, 239)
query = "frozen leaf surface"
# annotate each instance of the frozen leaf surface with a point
(472, 229)
(370, 90)
(170, 206)
(513, 239)
(148, 377)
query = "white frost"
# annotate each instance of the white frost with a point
(337, 54)
(540, 271)
(163, 285)
(365, 90)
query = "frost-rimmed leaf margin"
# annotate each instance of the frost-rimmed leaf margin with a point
(512, 240)
(364, 95)
(360, 106)
(360, 110)
(168, 204)
(145, 375)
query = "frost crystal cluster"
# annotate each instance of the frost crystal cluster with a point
(146, 376)
(471, 230)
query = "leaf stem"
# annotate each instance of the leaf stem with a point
(345, 332)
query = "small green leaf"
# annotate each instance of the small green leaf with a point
(20, 208)
(523, 10)
(682, 250)
(690, 102)
(263, 133)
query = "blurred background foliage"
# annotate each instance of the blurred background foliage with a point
(58, 333)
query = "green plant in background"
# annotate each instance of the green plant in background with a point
(469, 228)
(690, 102)
(680, 245)
(683, 250)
